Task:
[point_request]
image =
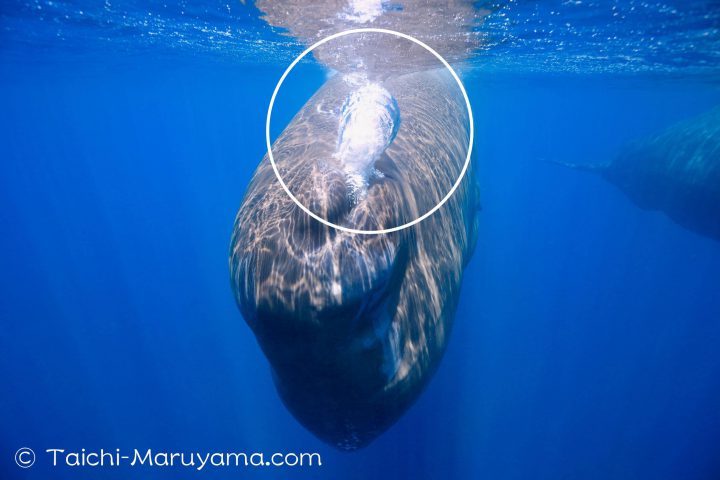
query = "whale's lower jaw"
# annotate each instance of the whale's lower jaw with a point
(334, 411)
(339, 372)
(342, 419)
(350, 373)
(349, 402)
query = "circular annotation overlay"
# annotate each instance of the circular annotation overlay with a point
(352, 32)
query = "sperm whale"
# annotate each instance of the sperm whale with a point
(676, 171)
(355, 325)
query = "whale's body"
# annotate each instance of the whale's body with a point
(354, 325)
(676, 172)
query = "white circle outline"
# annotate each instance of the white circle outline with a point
(342, 34)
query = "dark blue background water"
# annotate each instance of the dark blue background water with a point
(585, 343)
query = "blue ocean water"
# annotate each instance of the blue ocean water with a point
(586, 340)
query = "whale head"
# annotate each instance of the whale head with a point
(353, 325)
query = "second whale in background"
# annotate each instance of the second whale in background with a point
(676, 172)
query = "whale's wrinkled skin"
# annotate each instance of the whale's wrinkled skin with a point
(676, 172)
(354, 325)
